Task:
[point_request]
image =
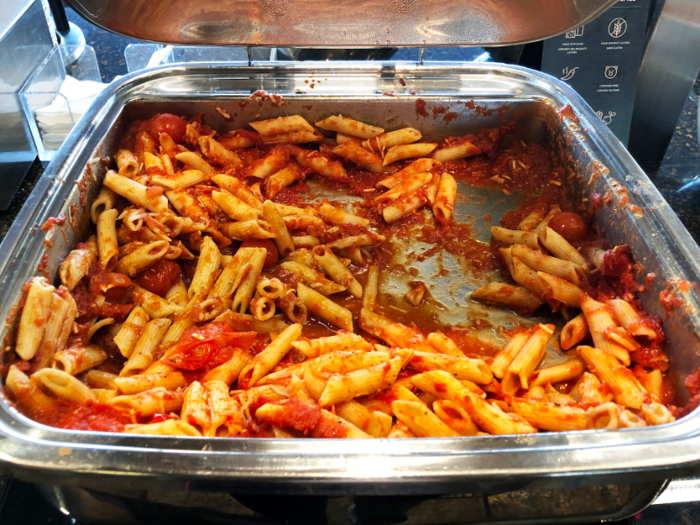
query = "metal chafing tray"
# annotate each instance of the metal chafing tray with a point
(379, 467)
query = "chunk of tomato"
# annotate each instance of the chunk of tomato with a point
(159, 277)
(171, 124)
(199, 346)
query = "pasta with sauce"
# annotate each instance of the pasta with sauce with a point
(217, 298)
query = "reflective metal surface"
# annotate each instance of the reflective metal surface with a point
(24, 42)
(669, 68)
(340, 23)
(406, 466)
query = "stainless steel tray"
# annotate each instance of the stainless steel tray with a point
(418, 466)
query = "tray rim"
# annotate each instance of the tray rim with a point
(27, 445)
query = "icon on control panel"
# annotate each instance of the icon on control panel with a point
(610, 72)
(617, 27)
(568, 73)
(606, 118)
(575, 32)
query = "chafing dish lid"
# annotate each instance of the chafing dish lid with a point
(340, 23)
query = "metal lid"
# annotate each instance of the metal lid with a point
(340, 23)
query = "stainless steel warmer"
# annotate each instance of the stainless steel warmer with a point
(379, 467)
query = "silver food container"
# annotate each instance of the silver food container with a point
(376, 93)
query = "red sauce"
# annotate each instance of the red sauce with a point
(692, 383)
(669, 298)
(420, 108)
(328, 427)
(297, 415)
(116, 287)
(88, 416)
(567, 113)
(53, 221)
(159, 277)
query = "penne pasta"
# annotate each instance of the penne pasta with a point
(505, 356)
(77, 359)
(445, 199)
(141, 382)
(217, 154)
(558, 373)
(626, 389)
(421, 421)
(599, 319)
(34, 318)
(349, 126)
(142, 258)
(281, 125)
(560, 247)
(57, 330)
(344, 387)
(360, 156)
(105, 201)
(529, 356)
(107, 238)
(460, 151)
(338, 216)
(547, 416)
(558, 289)
(515, 297)
(283, 239)
(195, 162)
(268, 358)
(143, 354)
(78, 262)
(199, 306)
(536, 260)
(336, 270)
(137, 193)
(504, 235)
(325, 308)
(444, 345)
(238, 189)
(627, 317)
(407, 151)
(574, 332)
(381, 142)
(63, 385)
(180, 180)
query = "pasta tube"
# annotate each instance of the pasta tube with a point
(34, 318)
(325, 308)
(336, 270)
(421, 421)
(349, 126)
(445, 200)
(268, 358)
(460, 151)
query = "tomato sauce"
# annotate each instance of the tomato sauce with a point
(87, 416)
(53, 221)
(159, 277)
(297, 415)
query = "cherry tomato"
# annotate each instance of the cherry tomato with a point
(273, 255)
(200, 346)
(170, 124)
(159, 277)
(570, 226)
